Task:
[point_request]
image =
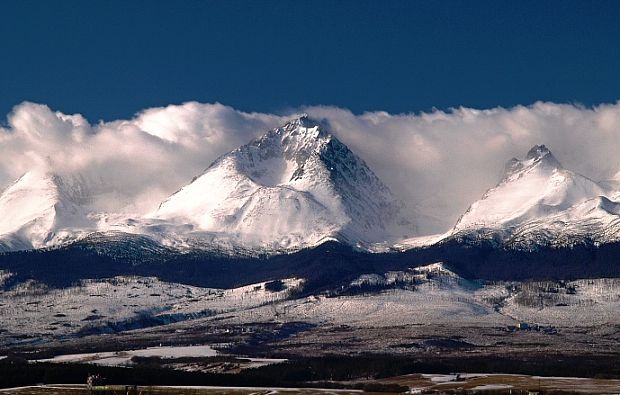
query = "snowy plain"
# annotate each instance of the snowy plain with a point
(431, 294)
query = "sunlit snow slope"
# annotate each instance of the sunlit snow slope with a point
(41, 209)
(293, 187)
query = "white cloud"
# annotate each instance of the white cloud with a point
(441, 162)
(438, 162)
(134, 164)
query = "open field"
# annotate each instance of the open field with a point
(72, 389)
(412, 383)
(503, 383)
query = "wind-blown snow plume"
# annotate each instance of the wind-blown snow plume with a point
(438, 162)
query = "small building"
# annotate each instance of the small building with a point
(524, 326)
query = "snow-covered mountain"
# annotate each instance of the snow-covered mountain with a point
(298, 186)
(538, 202)
(294, 187)
(41, 209)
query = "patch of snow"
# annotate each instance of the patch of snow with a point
(259, 362)
(369, 279)
(4, 276)
(18, 389)
(491, 387)
(419, 241)
(123, 358)
(440, 378)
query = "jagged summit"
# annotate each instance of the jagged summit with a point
(537, 155)
(542, 154)
(303, 126)
(538, 152)
(294, 186)
(303, 120)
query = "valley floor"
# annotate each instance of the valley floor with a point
(428, 315)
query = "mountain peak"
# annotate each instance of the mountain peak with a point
(39, 206)
(304, 120)
(297, 139)
(533, 188)
(538, 152)
(303, 126)
(542, 154)
(295, 186)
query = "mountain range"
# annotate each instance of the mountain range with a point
(293, 230)
(298, 186)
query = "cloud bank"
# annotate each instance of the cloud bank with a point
(438, 163)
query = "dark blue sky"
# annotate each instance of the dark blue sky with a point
(109, 59)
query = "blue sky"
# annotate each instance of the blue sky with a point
(265, 60)
(110, 59)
